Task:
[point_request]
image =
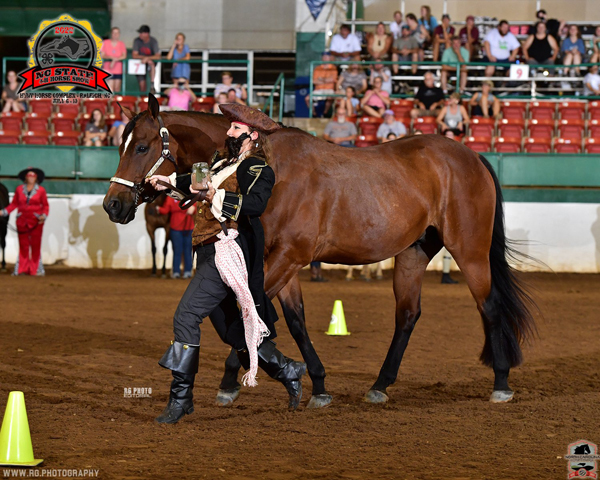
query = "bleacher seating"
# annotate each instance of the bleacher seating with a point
(542, 110)
(592, 145)
(12, 120)
(594, 128)
(507, 144)
(41, 106)
(479, 144)
(567, 145)
(128, 101)
(366, 141)
(10, 136)
(537, 145)
(511, 127)
(482, 127)
(571, 110)
(36, 137)
(63, 121)
(66, 138)
(541, 128)
(369, 125)
(571, 128)
(402, 108)
(92, 104)
(36, 121)
(203, 104)
(425, 124)
(513, 109)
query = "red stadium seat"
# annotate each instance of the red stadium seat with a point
(425, 124)
(35, 121)
(12, 120)
(83, 121)
(567, 145)
(366, 141)
(507, 144)
(513, 109)
(351, 119)
(542, 110)
(369, 125)
(537, 145)
(129, 101)
(479, 144)
(594, 128)
(594, 110)
(402, 108)
(63, 122)
(571, 110)
(66, 138)
(571, 128)
(70, 108)
(511, 127)
(92, 104)
(543, 128)
(39, 137)
(482, 127)
(203, 104)
(592, 145)
(10, 136)
(43, 106)
(111, 118)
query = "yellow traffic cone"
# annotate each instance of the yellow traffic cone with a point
(16, 449)
(337, 325)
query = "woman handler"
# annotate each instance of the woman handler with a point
(31, 201)
(228, 223)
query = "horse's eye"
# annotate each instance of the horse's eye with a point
(141, 149)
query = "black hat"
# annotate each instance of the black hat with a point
(144, 29)
(40, 174)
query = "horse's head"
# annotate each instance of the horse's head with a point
(155, 143)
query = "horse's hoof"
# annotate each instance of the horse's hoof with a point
(502, 396)
(225, 398)
(319, 401)
(164, 275)
(375, 396)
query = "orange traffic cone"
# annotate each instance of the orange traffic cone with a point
(16, 449)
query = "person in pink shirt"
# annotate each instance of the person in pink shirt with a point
(376, 101)
(180, 95)
(113, 52)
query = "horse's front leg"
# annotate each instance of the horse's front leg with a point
(290, 297)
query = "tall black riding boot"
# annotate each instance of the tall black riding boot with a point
(182, 360)
(280, 368)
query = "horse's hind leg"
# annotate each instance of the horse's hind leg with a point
(153, 248)
(409, 269)
(292, 304)
(165, 247)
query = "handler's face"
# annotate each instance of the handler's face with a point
(237, 129)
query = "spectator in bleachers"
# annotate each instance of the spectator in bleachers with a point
(500, 46)
(233, 98)
(345, 45)
(469, 37)
(221, 99)
(453, 116)
(595, 46)
(405, 49)
(540, 48)
(390, 125)
(428, 21)
(553, 26)
(180, 51)
(573, 49)
(350, 102)
(9, 94)
(95, 130)
(113, 52)
(379, 43)
(442, 37)
(375, 101)
(391, 136)
(591, 82)
(453, 55)
(145, 48)
(383, 72)
(116, 130)
(180, 96)
(485, 104)
(353, 77)
(397, 24)
(340, 131)
(325, 77)
(429, 98)
(418, 31)
(227, 84)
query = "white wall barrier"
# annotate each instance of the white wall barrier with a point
(78, 233)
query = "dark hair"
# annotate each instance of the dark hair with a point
(541, 11)
(502, 22)
(352, 88)
(391, 133)
(232, 90)
(102, 122)
(427, 8)
(381, 23)
(346, 26)
(411, 16)
(537, 24)
(578, 30)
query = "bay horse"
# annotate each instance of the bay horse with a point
(403, 199)
(154, 221)
(4, 201)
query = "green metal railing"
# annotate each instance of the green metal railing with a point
(279, 84)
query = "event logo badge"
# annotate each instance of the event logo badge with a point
(64, 54)
(582, 456)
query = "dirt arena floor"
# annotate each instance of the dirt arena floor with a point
(76, 339)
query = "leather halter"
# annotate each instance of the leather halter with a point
(166, 154)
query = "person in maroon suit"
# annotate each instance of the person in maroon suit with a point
(32, 203)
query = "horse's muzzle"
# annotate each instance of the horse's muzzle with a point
(118, 211)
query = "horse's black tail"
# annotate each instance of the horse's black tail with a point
(509, 305)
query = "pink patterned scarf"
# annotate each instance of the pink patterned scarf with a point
(231, 265)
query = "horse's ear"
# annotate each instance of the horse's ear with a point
(128, 113)
(153, 106)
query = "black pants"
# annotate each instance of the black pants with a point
(208, 296)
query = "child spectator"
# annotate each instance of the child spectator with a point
(469, 37)
(379, 43)
(180, 95)
(180, 51)
(345, 45)
(485, 104)
(391, 136)
(353, 77)
(340, 131)
(221, 99)
(182, 225)
(95, 130)
(573, 49)
(390, 125)
(442, 37)
(405, 49)
(350, 102)
(113, 52)
(9, 94)
(376, 100)
(453, 116)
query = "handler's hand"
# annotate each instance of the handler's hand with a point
(211, 193)
(41, 219)
(152, 180)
